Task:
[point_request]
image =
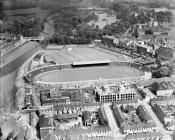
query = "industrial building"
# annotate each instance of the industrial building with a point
(115, 93)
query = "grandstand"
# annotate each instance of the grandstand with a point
(90, 63)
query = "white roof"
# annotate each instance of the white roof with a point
(90, 62)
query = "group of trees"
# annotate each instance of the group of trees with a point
(163, 17)
(29, 26)
(161, 72)
(164, 70)
(1, 10)
(127, 19)
(71, 27)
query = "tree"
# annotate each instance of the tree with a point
(135, 33)
(133, 20)
(154, 87)
(143, 18)
(1, 133)
(164, 71)
(1, 10)
(149, 32)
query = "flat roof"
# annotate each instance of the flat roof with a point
(90, 62)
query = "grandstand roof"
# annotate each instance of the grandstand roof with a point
(90, 62)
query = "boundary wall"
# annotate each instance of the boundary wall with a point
(30, 77)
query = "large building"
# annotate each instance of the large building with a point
(55, 95)
(144, 48)
(165, 53)
(88, 123)
(164, 89)
(114, 93)
(165, 110)
(133, 118)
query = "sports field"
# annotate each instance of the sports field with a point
(91, 73)
(84, 54)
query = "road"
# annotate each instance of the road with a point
(112, 122)
(15, 59)
(8, 76)
(11, 62)
(157, 121)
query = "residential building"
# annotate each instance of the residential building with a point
(50, 96)
(144, 48)
(165, 53)
(143, 114)
(108, 40)
(131, 119)
(145, 136)
(165, 109)
(166, 89)
(87, 118)
(46, 125)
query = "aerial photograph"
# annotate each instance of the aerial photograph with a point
(87, 69)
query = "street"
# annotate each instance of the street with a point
(9, 65)
(157, 121)
(112, 123)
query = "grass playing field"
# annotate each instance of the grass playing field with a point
(84, 54)
(91, 73)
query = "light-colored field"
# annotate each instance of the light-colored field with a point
(91, 73)
(84, 54)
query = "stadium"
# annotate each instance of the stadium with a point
(86, 67)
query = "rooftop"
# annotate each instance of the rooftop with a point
(45, 121)
(129, 119)
(116, 89)
(163, 100)
(143, 135)
(170, 85)
(76, 104)
(66, 116)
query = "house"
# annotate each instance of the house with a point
(108, 40)
(165, 53)
(144, 136)
(166, 89)
(87, 118)
(46, 125)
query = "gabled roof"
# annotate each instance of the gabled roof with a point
(44, 121)
(50, 136)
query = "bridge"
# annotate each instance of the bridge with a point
(94, 9)
(37, 39)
